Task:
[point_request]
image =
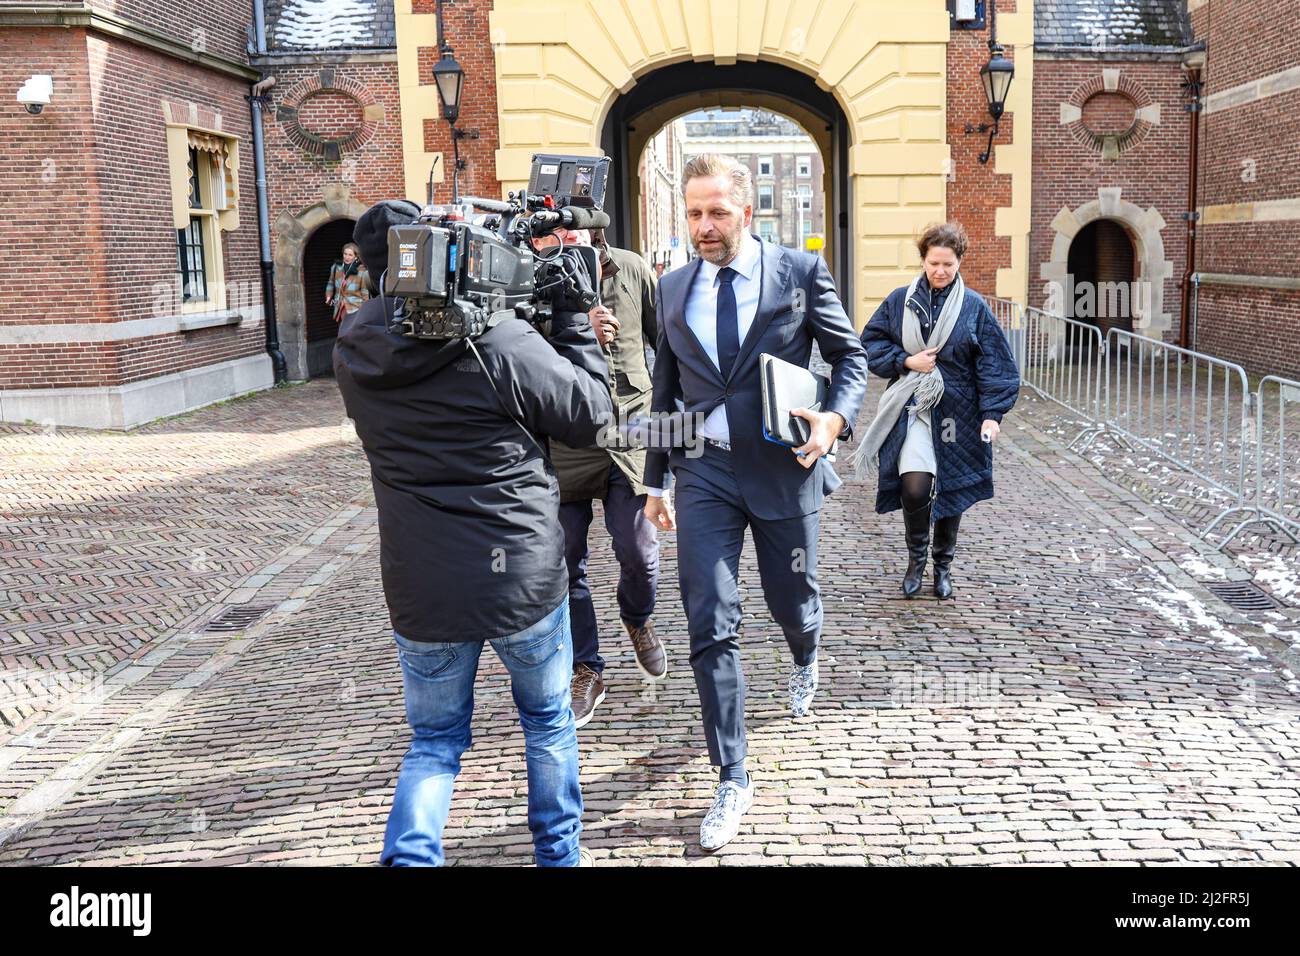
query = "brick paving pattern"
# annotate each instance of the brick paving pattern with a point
(1085, 701)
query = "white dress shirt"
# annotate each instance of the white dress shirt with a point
(702, 314)
(702, 318)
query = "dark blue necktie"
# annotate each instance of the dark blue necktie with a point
(728, 322)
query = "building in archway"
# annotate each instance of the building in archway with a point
(662, 209)
(153, 303)
(784, 162)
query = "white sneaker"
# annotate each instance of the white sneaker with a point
(803, 685)
(722, 822)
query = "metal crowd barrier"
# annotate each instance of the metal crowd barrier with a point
(1062, 361)
(1010, 316)
(1276, 500)
(1193, 410)
(1058, 358)
(1188, 407)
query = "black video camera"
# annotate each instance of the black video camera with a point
(455, 275)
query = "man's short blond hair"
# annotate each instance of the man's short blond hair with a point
(718, 164)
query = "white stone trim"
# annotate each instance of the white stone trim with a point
(1145, 227)
(1266, 210)
(1255, 90)
(80, 332)
(125, 406)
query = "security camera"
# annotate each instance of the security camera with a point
(35, 93)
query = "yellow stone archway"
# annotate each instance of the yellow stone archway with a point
(884, 62)
(562, 64)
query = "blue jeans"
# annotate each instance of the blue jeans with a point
(438, 680)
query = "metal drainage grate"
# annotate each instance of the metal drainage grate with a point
(237, 618)
(1243, 595)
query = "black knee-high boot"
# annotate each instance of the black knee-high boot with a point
(945, 546)
(917, 525)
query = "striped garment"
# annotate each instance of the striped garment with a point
(350, 292)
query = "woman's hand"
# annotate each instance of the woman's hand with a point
(990, 430)
(922, 361)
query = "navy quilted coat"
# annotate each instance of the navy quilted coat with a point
(980, 382)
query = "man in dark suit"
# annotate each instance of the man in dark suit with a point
(743, 297)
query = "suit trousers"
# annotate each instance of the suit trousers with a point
(711, 522)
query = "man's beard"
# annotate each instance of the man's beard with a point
(724, 251)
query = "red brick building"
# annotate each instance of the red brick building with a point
(1111, 125)
(130, 218)
(1245, 305)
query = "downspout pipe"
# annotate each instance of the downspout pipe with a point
(1186, 334)
(255, 101)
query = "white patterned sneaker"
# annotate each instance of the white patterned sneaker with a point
(803, 685)
(722, 822)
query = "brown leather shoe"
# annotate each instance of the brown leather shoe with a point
(587, 691)
(650, 654)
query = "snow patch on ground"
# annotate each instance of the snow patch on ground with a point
(1280, 575)
(1198, 567)
(1190, 615)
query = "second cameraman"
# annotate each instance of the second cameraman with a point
(470, 542)
(612, 472)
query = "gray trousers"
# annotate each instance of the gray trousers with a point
(711, 522)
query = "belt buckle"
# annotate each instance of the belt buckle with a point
(724, 445)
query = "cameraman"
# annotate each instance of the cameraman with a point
(470, 543)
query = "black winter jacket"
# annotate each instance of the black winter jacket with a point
(470, 543)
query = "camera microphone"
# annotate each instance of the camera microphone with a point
(582, 217)
(570, 217)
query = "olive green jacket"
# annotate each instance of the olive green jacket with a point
(630, 295)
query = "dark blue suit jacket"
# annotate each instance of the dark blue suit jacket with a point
(797, 304)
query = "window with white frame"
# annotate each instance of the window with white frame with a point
(803, 166)
(205, 203)
(765, 165)
(767, 230)
(765, 198)
(805, 196)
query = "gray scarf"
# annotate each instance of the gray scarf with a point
(926, 386)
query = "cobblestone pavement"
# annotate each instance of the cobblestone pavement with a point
(1085, 700)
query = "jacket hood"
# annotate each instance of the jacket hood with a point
(371, 230)
(376, 358)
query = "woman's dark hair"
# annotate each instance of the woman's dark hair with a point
(945, 235)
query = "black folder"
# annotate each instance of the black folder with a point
(786, 386)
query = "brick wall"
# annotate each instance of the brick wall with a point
(1068, 172)
(975, 191)
(466, 23)
(213, 26)
(50, 177)
(1249, 155)
(297, 177)
(106, 137)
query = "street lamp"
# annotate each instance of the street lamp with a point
(449, 78)
(995, 76)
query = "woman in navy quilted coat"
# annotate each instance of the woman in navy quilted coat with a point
(952, 378)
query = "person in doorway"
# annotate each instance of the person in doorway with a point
(348, 287)
(952, 378)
